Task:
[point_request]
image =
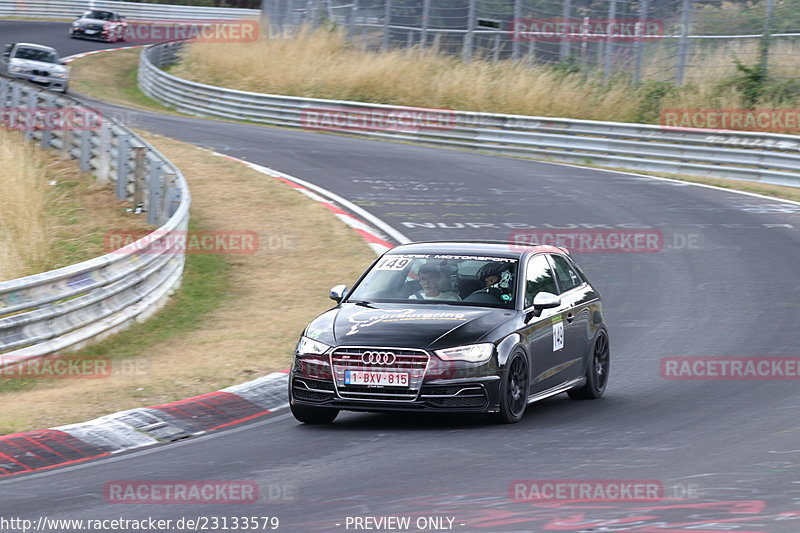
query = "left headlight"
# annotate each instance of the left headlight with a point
(308, 346)
(59, 75)
(472, 353)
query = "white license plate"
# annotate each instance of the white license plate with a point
(90, 32)
(40, 79)
(383, 379)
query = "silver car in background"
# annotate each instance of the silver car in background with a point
(35, 63)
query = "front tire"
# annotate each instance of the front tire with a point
(514, 390)
(597, 372)
(308, 414)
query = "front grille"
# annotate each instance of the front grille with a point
(412, 361)
(40, 73)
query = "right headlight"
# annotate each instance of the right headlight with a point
(14, 68)
(307, 346)
(472, 353)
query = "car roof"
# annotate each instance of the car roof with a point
(39, 46)
(507, 249)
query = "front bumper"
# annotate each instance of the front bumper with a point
(97, 35)
(48, 82)
(481, 395)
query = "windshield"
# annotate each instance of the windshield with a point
(36, 54)
(99, 15)
(436, 278)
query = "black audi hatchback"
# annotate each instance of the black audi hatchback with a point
(454, 327)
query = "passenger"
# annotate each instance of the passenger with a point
(430, 278)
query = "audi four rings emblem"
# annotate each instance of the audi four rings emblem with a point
(378, 358)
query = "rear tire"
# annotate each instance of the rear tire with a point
(514, 390)
(597, 372)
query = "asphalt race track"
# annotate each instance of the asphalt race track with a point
(724, 284)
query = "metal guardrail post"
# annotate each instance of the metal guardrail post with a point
(66, 141)
(47, 131)
(16, 96)
(139, 182)
(173, 200)
(3, 94)
(167, 188)
(123, 152)
(154, 183)
(85, 150)
(104, 154)
(30, 120)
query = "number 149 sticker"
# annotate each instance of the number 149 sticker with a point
(558, 333)
(393, 262)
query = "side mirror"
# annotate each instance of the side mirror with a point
(546, 300)
(338, 293)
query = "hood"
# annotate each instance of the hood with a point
(422, 326)
(40, 65)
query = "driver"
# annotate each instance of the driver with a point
(497, 280)
(430, 278)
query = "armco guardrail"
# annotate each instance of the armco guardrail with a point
(766, 157)
(53, 311)
(70, 9)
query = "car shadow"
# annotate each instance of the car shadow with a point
(551, 412)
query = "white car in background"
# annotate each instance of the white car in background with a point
(35, 63)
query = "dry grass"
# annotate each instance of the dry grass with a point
(24, 241)
(59, 215)
(323, 65)
(273, 294)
